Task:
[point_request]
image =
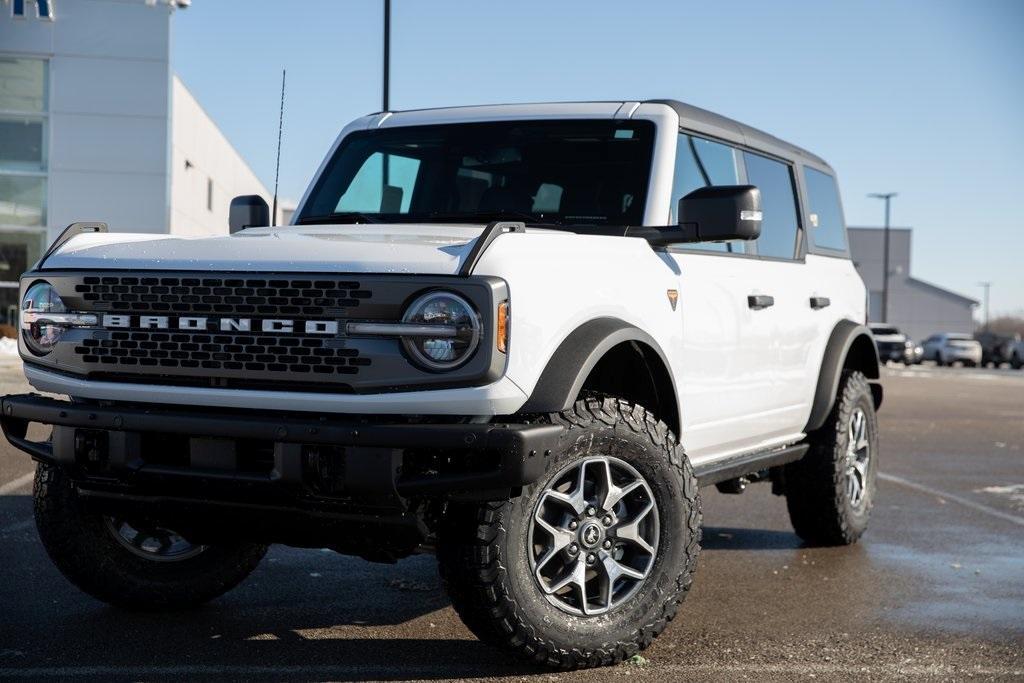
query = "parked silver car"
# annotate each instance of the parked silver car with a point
(950, 347)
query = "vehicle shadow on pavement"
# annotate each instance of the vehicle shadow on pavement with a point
(302, 615)
(732, 538)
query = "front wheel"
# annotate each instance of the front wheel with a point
(830, 491)
(588, 565)
(132, 563)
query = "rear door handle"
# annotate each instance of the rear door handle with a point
(819, 302)
(760, 301)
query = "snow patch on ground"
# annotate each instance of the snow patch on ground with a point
(1015, 492)
(8, 347)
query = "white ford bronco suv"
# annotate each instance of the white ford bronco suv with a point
(520, 337)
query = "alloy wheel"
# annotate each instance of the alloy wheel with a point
(152, 542)
(593, 535)
(858, 456)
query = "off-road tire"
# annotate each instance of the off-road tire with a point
(816, 495)
(483, 554)
(83, 548)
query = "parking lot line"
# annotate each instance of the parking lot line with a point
(966, 502)
(12, 486)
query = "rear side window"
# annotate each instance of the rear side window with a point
(778, 202)
(827, 230)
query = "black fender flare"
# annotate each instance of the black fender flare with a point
(845, 335)
(571, 363)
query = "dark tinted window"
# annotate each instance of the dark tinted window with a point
(556, 171)
(826, 216)
(700, 163)
(778, 202)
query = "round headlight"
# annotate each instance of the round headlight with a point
(446, 332)
(41, 332)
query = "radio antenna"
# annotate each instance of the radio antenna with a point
(277, 164)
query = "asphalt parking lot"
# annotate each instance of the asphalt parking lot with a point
(935, 590)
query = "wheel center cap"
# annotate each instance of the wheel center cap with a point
(590, 535)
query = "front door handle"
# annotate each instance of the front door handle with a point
(760, 301)
(819, 302)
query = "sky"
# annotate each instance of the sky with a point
(920, 97)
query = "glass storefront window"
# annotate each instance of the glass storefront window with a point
(21, 144)
(22, 201)
(18, 251)
(23, 123)
(22, 85)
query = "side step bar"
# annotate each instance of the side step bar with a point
(723, 470)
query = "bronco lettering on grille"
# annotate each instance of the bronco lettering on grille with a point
(163, 322)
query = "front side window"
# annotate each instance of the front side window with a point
(827, 229)
(778, 203)
(702, 163)
(557, 172)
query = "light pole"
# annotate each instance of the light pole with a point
(385, 96)
(986, 286)
(887, 196)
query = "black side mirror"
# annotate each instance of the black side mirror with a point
(719, 213)
(248, 211)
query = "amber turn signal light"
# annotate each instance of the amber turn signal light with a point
(503, 327)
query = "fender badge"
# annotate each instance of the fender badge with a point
(673, 297)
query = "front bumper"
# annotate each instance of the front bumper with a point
(502, 397)
(373, 457)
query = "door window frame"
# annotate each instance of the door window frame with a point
(800, 246)
(810, 247)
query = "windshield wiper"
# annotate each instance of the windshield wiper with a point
(339, 217)
(496, 215)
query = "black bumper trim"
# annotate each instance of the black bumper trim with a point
(519, 451)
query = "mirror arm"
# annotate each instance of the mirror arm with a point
(663, 236)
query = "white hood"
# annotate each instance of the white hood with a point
(396, 248)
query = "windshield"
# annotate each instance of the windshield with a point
(556, 172)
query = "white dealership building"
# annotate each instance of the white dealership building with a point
(94, 125)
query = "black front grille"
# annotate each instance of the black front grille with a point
(252, 330)
(245, 352)
(308, 298)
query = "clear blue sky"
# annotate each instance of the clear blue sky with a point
(922, 97)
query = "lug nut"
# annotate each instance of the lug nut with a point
(591, 511)
(607, 521)
(607, 544)
(573, 549)
(591, 558)
(573, 525)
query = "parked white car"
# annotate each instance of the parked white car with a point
(952, 347)
(518, 336)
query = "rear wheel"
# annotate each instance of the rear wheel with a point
(830, 491)
(132, 563)
(588, 565)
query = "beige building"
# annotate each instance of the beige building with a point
(918, 308)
